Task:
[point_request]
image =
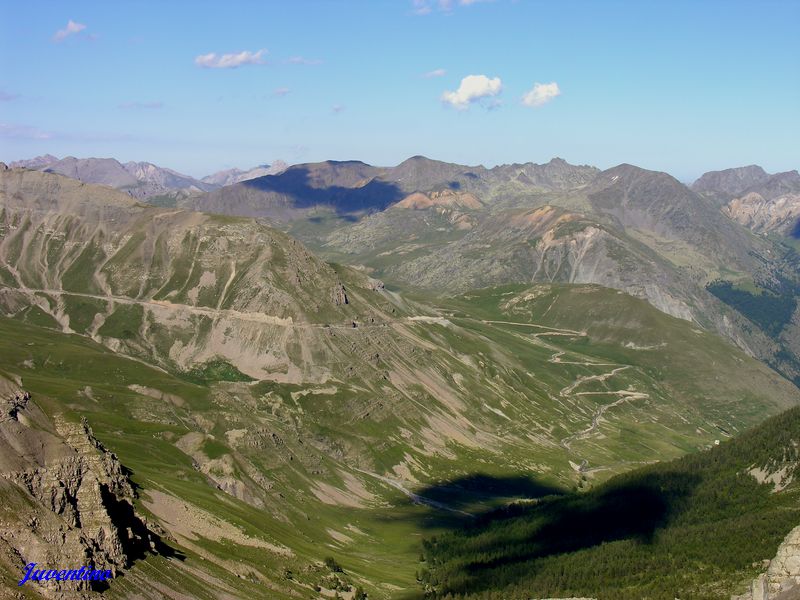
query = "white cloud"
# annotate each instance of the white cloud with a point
(281, 91)
(435, 73)
(71, 29)
(7, 97)
(541, 93)
(472, 89)
(301, 60)
(230, 61)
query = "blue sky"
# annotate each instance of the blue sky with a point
(680, 86)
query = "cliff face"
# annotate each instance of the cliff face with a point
(784, 570)
(762, 215)
(67, 501)
(782, 578)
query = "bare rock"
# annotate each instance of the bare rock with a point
(376, 285)
(784, 569)
(339, 295)
(74, 499)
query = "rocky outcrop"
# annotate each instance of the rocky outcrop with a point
(339, 295)
(73, 502)
(784, 570)
(782, 579)
(761, 215)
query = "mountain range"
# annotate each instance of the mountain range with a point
(142, 179)
(279, 387)
(447, 228)
(231, 176)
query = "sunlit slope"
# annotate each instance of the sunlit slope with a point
(634, 370)
(293, 473)
(301, 404)
(703, 526)
(175, 287)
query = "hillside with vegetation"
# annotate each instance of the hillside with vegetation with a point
(272, 411)
(697, 527)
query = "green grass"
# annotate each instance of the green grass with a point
(124, 322)
(283, 442)
(696, 527)
(81, 311)
(214, 449)
(79, 277)
(215, 370)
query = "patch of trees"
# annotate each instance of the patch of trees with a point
(691, 528)
(771, 311)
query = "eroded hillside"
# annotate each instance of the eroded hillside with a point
(281, 410)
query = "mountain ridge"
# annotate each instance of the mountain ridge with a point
(142, 179)
(139, 179)
(262, 395)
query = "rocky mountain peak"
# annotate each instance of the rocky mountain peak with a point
(34, 163)
(730, 182)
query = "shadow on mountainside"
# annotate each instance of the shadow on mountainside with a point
(136, 537)
(460, 502)
(297, 185)
(496, 548)
(476, 493)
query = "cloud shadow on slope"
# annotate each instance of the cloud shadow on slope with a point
(296, 185)
(500, 546)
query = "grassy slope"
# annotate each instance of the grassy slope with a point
(81, 378)
(697, 527)
(697, 388)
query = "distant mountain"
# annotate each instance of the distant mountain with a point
(552, 222)
(103, 171)
(143, 179)
(346, 186)
(730, 182)
(556, 174)
(160, 178)
(657, 203)
(231, 176)
(37, 162)
(777, 185)
(350, 187)
(772, 205)
(447, 228)
(139, 179)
